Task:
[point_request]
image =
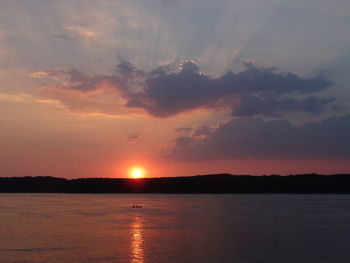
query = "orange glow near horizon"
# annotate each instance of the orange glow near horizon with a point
(137, 172)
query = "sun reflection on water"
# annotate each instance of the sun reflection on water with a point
(137, 241)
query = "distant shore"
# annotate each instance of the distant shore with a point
(213, 183)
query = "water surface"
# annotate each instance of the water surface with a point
(50, 228)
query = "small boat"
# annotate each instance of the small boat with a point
(137, 206)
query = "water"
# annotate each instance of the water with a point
(50, 228)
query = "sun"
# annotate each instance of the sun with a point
(137, 172)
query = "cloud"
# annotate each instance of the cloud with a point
(165, 92)
(103, 100)
(38, 74)
(76, 32)
(63, 36)
(132, 138)
(276, 139)
(81, 93)
(183, 129)
(197, 131)
(79, 31)
(168, 93)
(271, 107)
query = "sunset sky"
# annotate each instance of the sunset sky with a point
(178, 87)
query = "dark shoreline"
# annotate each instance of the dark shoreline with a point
(201, 184)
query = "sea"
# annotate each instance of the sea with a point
(165, 228)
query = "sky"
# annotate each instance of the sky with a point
(179, 87)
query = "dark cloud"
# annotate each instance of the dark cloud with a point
(196, 132)
(276, 139)
(271, 107)
(164, 92)
(250, 92)
(254, 91)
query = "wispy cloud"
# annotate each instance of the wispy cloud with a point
(80, 32)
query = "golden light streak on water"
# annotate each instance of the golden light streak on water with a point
(137, 253)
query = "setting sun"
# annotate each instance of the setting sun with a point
(137, 172)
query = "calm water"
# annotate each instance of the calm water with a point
(66, 228)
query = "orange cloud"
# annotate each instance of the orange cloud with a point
(38, 74)
(102, 100)
(80, 31)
